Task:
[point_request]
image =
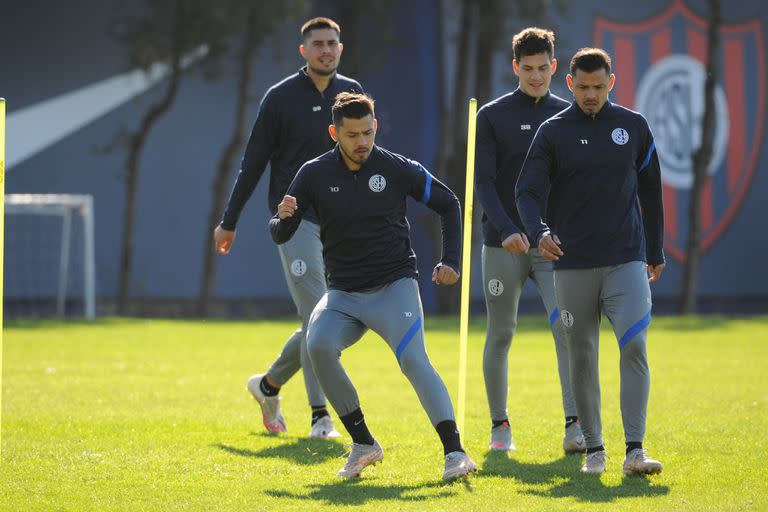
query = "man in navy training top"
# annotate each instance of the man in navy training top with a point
(290, 129)
(604, 232)
(505, 128)
(359, 192)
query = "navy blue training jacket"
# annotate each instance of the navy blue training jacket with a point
(363, 228)
(505, 129)
(600, 171)
(291, 128)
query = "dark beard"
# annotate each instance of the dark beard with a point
(323, 72)
(354, 158)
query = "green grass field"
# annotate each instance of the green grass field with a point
(153, 415)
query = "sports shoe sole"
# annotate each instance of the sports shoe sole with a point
(649, 471)
(357, 475)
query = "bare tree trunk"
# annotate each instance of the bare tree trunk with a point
(226, 162)
(452, 159)
(135, 146)
(487, 45)
(701, 160)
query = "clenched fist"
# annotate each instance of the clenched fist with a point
(287, 207)
(443, 274)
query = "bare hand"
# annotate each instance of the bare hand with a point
(223, 239)
(443, 274)
(654, 272)
(516, 243)
(549, 247)
(287, 207)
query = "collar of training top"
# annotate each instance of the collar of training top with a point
(337, 156)
(575, 109)
(303, 73)
(530, 99)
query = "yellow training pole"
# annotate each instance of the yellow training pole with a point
(466, 264)
(2, 235)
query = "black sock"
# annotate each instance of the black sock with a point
(318, 413)
(632, 445)
(449, 436)
(600, 448)
(267, 388)
(570, 420)
(499, 423)
(354, 422)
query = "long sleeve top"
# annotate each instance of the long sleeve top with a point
(505, 129)
(291, 128)
(363, 227)
(604, 182)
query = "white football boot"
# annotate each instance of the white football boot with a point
(638, 463)
(594, 463)
(323, 429)
(457, 465)
(270, 406)
(360, 457)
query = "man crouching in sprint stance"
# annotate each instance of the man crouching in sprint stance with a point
(359, 191)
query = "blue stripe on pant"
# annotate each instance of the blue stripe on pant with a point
(636, 329)
(407, 338)
(394, 312)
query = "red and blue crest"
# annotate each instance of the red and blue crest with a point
(660, 70)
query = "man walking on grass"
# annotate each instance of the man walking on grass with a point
(505, 128)
(605, 225)
(290, 129)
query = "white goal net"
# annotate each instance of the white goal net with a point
(49, 256)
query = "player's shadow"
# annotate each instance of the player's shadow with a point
(505, 465)
(566, 480)
(362, 491)
(304, 451)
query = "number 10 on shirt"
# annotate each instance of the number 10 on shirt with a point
(466, 259)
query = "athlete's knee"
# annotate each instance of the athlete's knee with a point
(581, 357)
(320, 346)
(634, 349)
(414, 363)
(501, 336)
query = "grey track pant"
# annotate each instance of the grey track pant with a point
(394, 312)
(302, 261)
(622, 293)
(504, 275)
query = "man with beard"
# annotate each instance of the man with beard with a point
(290, 129)
(604, 231)
(359, 192)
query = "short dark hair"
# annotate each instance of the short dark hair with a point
(316, 23)
(590, 60)
(533, 41)
(351, 105)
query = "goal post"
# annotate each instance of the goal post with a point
(69, 208)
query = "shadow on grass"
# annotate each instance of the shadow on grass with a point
(304, 451)
(566, 480)
(362, 491)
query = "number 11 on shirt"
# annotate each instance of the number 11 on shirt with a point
(466, 259)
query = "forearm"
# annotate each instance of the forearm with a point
(244, 186)
(283, 230)
(653, 221)
(254, 162)
(529, 198)
(450, 223)
(495, 211)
